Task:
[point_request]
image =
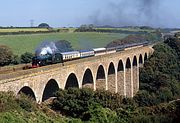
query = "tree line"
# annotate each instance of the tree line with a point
(7, 57)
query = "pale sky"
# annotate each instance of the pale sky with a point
(59, 13)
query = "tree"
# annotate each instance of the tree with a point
(159, 76)
(63, 46)
(26, 57)
(43, 25)
(6, 55)
(16, 60)
(86, 28)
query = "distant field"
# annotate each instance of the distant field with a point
(129, 29)
(27, 43)
(24, 30)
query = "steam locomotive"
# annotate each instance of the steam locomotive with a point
(60, 57)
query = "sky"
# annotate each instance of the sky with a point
(67, 13)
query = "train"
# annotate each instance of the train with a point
(61, 57)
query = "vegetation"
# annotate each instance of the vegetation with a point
(109, 29)
(63, 46)
(11, 30)
(86, 28)
(43, 25)
(160, 77)
(6, 55)
(150, 37)
(23, 109)
(26, 57)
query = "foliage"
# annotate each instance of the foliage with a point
(22, 109)
(63, 46)
(127, 40)
(101, 115)
(89, 105)
(174, 43)
(73, 102)
(26, 103)
(6, 55)
(159, 77)
(86, 28)
(16, 60)
(43, 25)
(26, 57)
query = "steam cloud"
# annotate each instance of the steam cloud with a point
(46, 47)
(52, 47)
(133, 13)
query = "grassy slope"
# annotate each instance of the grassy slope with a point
(27, 43)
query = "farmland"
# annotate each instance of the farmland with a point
(79, 40)
(23, 30)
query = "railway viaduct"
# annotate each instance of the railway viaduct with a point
(116, 72)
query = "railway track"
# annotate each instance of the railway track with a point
(14, 68)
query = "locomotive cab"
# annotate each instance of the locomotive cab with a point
(35, 62)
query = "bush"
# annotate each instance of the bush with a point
(98, 114)
(144, 98)
(7, 102)
(6, 55)
(73, 102)
(26, 103)
(16, 60)
(26, 57)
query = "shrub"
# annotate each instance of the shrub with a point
(16, 60)
(73, 102)
(6, 55)
(26, 103)
(98, 114)
(8, 102)
(26, 57)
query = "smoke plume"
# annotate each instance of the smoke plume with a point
(51, 47)
(132, 13)
(46, 47)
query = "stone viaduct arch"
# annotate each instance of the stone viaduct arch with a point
(72, 81)
(88, 80)
(101, 78)
(27, 91)
(117, 72)
(49, 90)
(111, 78)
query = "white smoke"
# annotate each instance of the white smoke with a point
(46, 47)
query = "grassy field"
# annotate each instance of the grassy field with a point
(27, 43)
(129, 29)
(24, 30)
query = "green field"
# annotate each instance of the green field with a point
(129, 29)
(80, 40)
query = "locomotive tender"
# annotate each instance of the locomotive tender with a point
(58, 57)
